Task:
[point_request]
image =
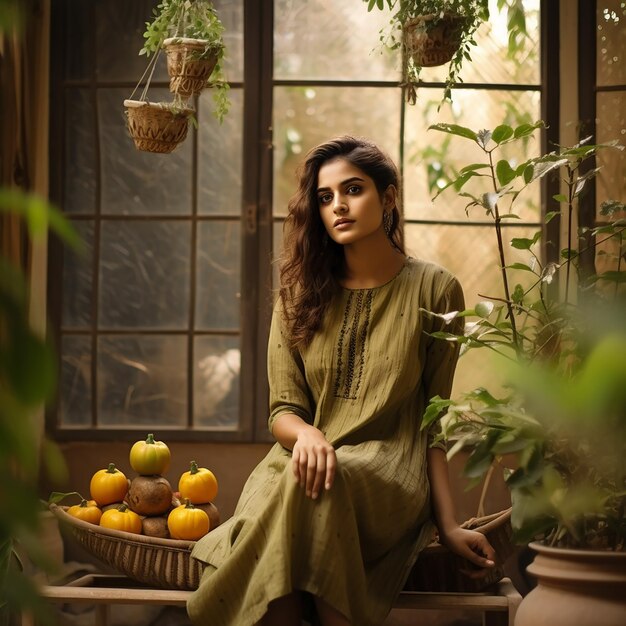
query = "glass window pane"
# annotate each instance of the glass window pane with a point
(78, 280)
(218, 275)
(432, 158)
(611, 42)
(142, 381)
(230, 13)
(136, 182)
(119, 32)
(80, 154)
(144, 275)
(75, 392)
(610, 126)
(307, 116)
(343, 36)
(216, 382)
(491, 62)
(220, 156)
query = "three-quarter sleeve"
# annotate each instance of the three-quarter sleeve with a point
(442, 355)
(289, 392)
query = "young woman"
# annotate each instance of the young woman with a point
(333, 518)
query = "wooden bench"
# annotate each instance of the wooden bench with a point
(102, 590)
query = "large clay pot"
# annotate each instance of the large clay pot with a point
(575, 588)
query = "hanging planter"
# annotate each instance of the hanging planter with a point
(190, 63)
(157, 126)
(431, 33)
(190, 32)
(433, 40)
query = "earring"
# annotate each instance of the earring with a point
(387, 222)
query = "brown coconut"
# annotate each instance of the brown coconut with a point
(149, 495)
(213, 513)
(155, 527)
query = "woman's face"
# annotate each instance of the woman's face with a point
(349, 203)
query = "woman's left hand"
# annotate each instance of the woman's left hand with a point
(473, 546)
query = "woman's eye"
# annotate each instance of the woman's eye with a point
(325, 198)
(352, 189)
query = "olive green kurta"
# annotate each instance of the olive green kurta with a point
(363, 381)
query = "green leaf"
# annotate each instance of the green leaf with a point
(473, 167)
(522, 243)
(527, 129)
(454, 129)
(501, 133)
(559, 197)
(482, 457)
(504, 172)
(518, 294)
(550, 215)
(57, 496)
(521, 266)
(434, 410)
(482, 395)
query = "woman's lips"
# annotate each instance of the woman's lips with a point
(342, 224)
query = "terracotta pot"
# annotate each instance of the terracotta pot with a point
(155, 126)
(432, 39)
(190, 63)
(575, 588)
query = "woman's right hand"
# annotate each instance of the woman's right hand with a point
(313, 461)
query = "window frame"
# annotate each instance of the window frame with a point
(256, 218)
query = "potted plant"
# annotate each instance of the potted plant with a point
(190, 32)
(430, 33)
(560, 413)
(157, 126)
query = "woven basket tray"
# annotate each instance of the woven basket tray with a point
(167, 563)
(438, 569)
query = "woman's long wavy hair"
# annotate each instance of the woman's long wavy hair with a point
(312, 263)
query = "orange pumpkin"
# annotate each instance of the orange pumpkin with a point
(86, 511)
(199, 485)
(121, 518)
(108, 485)
(187, 522)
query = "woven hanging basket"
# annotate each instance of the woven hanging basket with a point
(167, 563)
(432, 40)
(155, 126)
(190, 63)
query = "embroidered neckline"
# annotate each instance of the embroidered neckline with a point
(406, 263)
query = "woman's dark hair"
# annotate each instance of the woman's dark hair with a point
(312, 262)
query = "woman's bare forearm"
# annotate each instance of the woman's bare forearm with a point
(441, 493)
(287, 427)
